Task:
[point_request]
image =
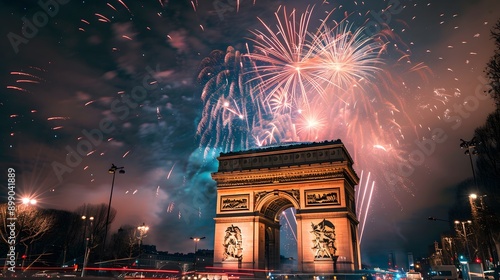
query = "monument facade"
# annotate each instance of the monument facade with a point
(254, 188)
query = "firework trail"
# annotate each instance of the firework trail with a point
(230, 107)
(362, 207)
(23, 78)
(289, 224)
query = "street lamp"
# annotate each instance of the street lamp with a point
(470, 147)
(479, 213)
(84, 219)
(87, 239)
(143, 229)
(465, 235)
(474, 196)
(111, 170)
(474, 208)
(196, 240)
(26, 201)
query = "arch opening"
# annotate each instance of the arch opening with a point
(280, 236)
(273, 209)
(274, 203)
(288, 240)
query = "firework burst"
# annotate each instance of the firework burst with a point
(230, 107)
(303, 83)
(286, 58)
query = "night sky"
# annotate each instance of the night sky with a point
(89, 83)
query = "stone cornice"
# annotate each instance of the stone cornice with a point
(234, 179)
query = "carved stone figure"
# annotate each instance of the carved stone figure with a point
(232, 244)
(260, 195)
(324, 239)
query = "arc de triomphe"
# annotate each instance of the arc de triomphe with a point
(253, 189)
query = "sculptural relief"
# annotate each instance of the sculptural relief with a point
(324, 239)
(232, 244)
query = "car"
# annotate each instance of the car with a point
(489, 274)
(412, 275)
(53, 274)
(132, 275)
(67, 275)
(43, 273)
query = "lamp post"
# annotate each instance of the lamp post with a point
(470, 147)
(196, 240)
(465, 235)
(26, 201)
(143, 229)
(480, 215)
(87, 248)
(473, 206)
(111, 170)
(84, 219)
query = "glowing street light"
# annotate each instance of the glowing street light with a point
(87, 239)
(474, 196)
(480, 215)
(196, 240)
(472, 200)
(84, 219)
(143, 229)
(28, 201)
(111, 170)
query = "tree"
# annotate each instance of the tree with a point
(125, 242)
(71, 236)
(493, 66)
(31, 224)
(488, 149)
(52, 248)
(488, 160)
(488, 136)
(96, 229)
